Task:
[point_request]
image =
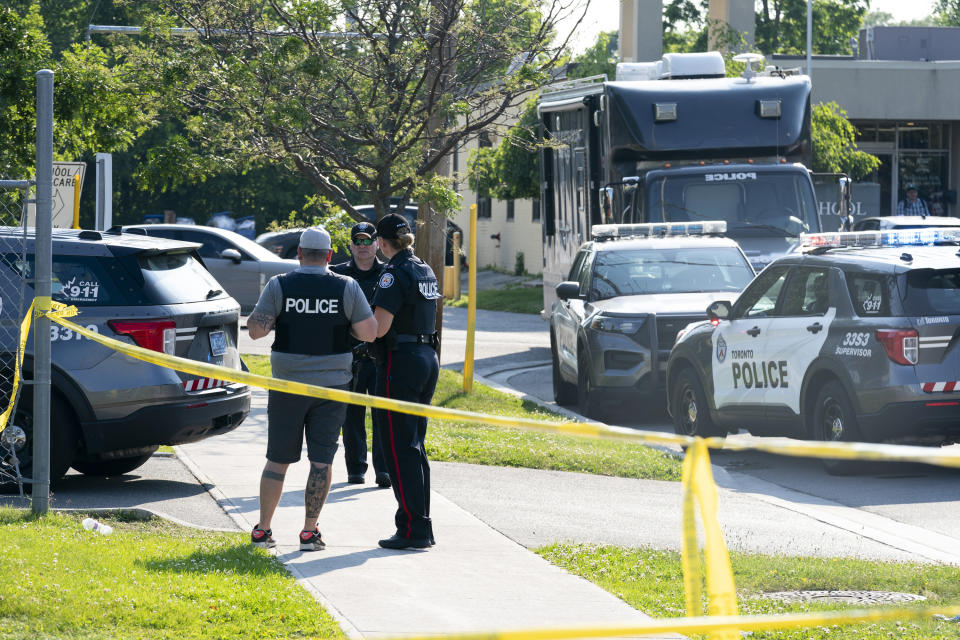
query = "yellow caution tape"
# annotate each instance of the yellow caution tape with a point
(721, 593)
(21, 348)
(705, 624)
(698, 485)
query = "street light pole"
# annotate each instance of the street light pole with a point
(809, 37)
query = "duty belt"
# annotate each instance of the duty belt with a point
(423, 338)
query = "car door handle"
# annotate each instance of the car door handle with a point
(816, 327)
(754, 332)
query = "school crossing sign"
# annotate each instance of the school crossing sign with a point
(65, 175)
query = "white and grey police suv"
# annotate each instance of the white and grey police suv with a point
(108, 411)
(629, 292)
(857, 338)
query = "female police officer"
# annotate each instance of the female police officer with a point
(405, 303)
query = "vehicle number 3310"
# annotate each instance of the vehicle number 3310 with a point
(59, 334)
(856, 339)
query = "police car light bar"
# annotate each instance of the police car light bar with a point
(891, 238)
(659, 229)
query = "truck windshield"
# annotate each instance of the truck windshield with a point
(754, 203)
(689, 270)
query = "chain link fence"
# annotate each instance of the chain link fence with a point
(14, 426)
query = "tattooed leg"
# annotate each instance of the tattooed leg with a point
(271, 488)
(318, 486)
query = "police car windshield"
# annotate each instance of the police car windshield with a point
(932, 292)
(753, 203)
(688, 270)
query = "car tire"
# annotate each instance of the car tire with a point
(691, 413)
(64, 439)
(587, 397)
(113, 466)
(564, 393)
(834, 420)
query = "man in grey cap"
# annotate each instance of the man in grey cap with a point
(313, 313)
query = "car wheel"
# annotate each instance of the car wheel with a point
(590, 404)
(563, 392)
(113, 466)
(18, 438)
(691, 413)
(834, 420)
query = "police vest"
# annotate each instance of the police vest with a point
(418, 315)
(366, 279)
(312, 319)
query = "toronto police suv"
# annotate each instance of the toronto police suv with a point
(629, 292)
(109, 412)
(857, 338)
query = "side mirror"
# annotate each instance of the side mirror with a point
(719, 310)
(231, 254)
(567, 290)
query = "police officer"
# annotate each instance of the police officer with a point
(405, 304)
(364, 267)
(313, 313)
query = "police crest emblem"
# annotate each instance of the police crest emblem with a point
(386, 280)
(721, 349)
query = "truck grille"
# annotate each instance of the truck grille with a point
(669, 326)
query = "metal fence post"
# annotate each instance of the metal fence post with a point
(43, 267)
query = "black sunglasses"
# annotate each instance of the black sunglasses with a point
(363, 242)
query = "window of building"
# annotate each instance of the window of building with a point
(510, 210)
(536, 210)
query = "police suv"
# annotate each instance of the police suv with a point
(854, 339)
(628, 293)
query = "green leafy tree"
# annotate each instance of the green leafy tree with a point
(781, 25)
(369, 114)
(835, 143)
(511, 170)
(947, 13)
(95, 107)
(599, 59)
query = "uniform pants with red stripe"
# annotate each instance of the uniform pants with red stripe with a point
(409, 373)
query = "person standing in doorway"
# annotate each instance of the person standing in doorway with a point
(405, 304)
(313, 313)
(912, 205)
(364, 267)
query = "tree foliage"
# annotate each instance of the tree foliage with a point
(511, 170)
(781, 25)
(369, 114)
(834, 143)
(95, 107)
(947, 13)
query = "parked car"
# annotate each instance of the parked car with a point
(876, 223)
(284, 243)
(109, 412)
(241, 265)
(852, 340)
(629, 291)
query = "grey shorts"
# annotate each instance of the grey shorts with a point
(291, 416)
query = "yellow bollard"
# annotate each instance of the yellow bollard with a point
(472, 302)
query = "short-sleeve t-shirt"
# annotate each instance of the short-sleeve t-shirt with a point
(320, 370)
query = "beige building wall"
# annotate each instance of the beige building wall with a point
(520, 235)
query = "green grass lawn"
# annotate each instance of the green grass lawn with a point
(514, 298)
(499, 446)
(652, 581)
(150, 579)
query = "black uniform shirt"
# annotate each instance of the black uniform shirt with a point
(366, 279)
(408, 289)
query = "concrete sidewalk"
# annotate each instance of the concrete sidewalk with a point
(474, 579)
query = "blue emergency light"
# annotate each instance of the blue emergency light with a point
(659, 229)
(891, 238)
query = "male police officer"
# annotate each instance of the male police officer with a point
(313, 313)
(405, 304)
(365, 268)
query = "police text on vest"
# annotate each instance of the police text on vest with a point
(313, 305)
